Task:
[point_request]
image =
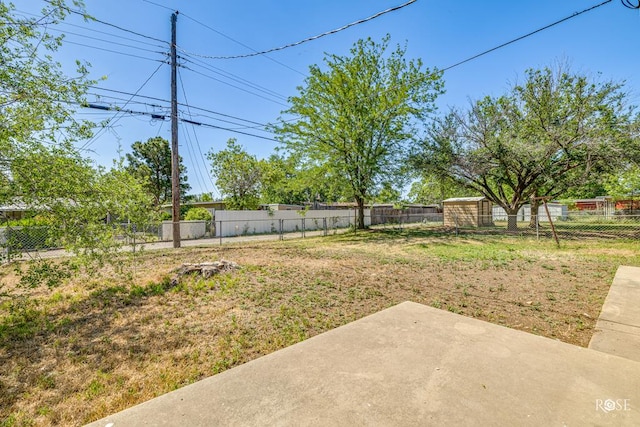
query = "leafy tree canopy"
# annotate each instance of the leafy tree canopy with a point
(150, 161)
(357, 116)
(431, 189)
(40, 167)
(545, 136)
(238, 176)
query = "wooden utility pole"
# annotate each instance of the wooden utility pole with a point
(175, 158)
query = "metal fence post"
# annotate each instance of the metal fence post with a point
(280, 224)
(220, 232)
(324, 226)
(303, 226)
(133, 228)
(455, 219)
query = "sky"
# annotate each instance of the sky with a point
(244, 94)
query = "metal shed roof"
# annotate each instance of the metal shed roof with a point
(464, 199)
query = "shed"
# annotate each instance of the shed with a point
(467, 212)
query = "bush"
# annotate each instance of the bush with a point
(198, 214)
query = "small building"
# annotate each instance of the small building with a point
(468, 212)
(599, 204)
(14, 211)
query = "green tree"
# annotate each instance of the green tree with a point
(357, 117)
(545, 136)
(238, 176)
(40, 166)
(35, 97)
(432, 189)
(151, 162)
(386, 193)
(285, 181)
(625, 185)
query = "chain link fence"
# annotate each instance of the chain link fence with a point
(16, 240)
(570, 225)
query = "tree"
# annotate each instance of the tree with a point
(625, 185)
(544, 137)
(35, 97)
(40, 167)
(238, 176)
(151, 162)
(285, 181)
(387, 193)
(357, 117)
(431, 189)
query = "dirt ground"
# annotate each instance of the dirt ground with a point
(105, 340)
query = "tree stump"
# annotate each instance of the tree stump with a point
(204, 269)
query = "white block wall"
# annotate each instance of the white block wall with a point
(239, 223)
(188, 230)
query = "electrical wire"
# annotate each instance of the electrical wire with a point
(166, 116)
(241, 44)
(180, 104)
(184, 93)
(308, 39)
(190, 150)
(84, 36)
(527, 35)
(231, 85)
(117, 117)
(93, 18)
(232, 76)
(115, 51)
(65, 23)
(631, 4)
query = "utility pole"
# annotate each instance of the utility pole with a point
(175, 158)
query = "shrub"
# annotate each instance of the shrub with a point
(195, 214)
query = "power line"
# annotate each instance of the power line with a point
(308, 39)
(241, 44)
(84, 36)
(631, 4)
(233, 86)
(92, 18)
(528, 34)
(184, 93)
(114, 120)
(165, 116)
(115, 51)
(93, 30)
(233, 77)
(159, 5)
(228, 129)
(180, 104)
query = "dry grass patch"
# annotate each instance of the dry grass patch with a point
(100, 343)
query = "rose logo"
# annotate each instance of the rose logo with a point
(609, 405)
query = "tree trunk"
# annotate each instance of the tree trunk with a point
(360, 220)
(512, 219)
(535, 205)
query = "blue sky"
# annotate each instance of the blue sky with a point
(254, 90)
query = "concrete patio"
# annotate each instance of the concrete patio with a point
(416, 365)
